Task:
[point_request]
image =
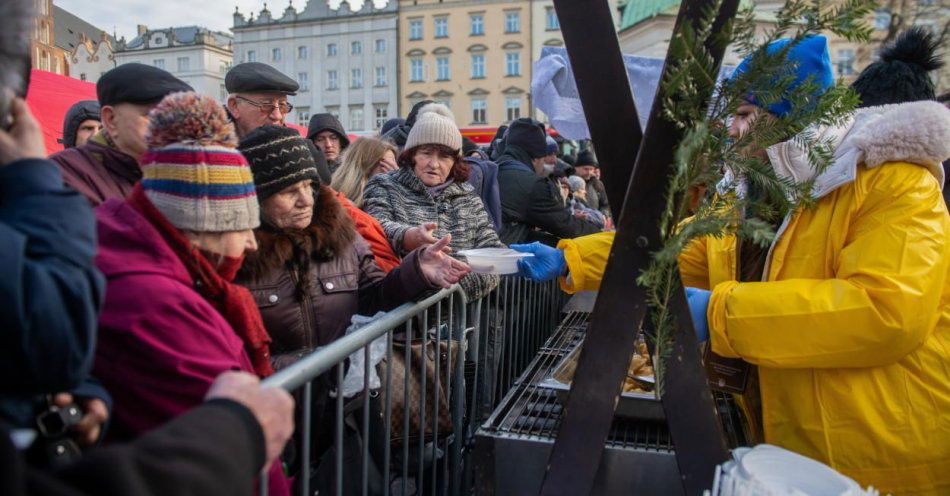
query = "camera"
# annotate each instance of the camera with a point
(55, 447)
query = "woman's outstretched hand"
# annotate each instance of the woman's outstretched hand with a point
(438, 267)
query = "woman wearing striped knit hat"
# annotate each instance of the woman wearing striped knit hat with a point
(172, 320)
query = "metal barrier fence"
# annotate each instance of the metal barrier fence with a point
(455, 360)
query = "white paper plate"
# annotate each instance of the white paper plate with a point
(494, 260)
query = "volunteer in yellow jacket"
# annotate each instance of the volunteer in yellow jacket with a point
(850, 327)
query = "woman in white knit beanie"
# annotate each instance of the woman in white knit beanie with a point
(429, 196)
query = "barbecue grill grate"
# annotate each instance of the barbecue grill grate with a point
(532, 411)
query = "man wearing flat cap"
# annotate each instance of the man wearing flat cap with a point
(107, 166)
(257, 95)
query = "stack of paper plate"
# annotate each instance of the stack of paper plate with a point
(768, 470)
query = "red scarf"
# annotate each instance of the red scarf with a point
(234, 302)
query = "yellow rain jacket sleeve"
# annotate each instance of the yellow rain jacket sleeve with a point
(881, 305)
(587, 256)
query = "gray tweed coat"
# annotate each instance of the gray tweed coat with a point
(399, 201)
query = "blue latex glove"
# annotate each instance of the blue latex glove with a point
(546, 264)
(698, 305)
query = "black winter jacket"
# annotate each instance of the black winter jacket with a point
(530, 203)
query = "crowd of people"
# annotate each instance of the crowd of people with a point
(178, 250)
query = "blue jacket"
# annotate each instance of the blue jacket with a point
(483, 176)
(50, 291)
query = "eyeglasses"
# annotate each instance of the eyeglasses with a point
(268, 107)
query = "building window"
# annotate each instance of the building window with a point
(478, 66)
(513, 64)
(381, 76)
(251, 56)
(184, 64)
(444, 101)
(303, 81)
(356, 118)
(331, 49)
(356, 48)
(333, 82)
(224, 66)
(382, 115)
(479, 108)
(333, 110)
(415, 70)
(442, 27)
(82, 77)
(845, 62)
(223, 93)
(442, 69)
(550, 16)
(303, 116)
(513, 107)
(302, 52)
(380, 46)
(356, 78)
(478, 24)
(159, 40)
(415, 29)
(159, 63)
(275, 55)
(512, 22)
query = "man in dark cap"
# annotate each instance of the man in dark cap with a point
(398, 134)
(257, 95)
(532, 206)
(81, 123)
(107, 166)
(390, 124)
(328, 134)
(587, 168)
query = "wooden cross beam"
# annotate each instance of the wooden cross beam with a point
(621, 305)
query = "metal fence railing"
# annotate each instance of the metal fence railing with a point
(446, 363)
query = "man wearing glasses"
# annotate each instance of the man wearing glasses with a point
(257, 96)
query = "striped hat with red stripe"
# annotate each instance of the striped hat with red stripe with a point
(192, 172)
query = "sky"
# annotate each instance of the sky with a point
(122, 16)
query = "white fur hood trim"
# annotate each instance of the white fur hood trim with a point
(914, 132)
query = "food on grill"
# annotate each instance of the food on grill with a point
(639, 372)
(640, 367)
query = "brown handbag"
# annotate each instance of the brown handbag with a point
(447, 349)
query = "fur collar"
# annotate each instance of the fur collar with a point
(330, 233)
(914, 132)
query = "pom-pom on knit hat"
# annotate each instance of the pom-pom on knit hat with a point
(902, 72)
(279, 157)
(192, 172)
(435, 125)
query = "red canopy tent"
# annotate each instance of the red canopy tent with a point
(49, 97)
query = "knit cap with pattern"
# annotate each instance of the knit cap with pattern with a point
(279, 157)
(192, 172)
(435, 124)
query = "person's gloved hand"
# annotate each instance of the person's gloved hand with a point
(546, 264)
(698, 304)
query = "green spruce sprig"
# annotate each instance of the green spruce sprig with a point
(706, 151)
